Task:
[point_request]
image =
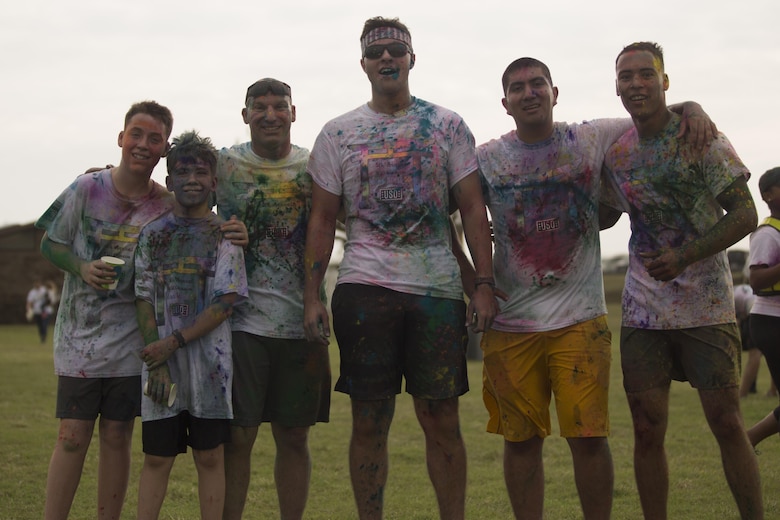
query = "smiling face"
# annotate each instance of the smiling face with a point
(192, 181)
(270, 117)
(530, 99)
(641, 84)
(143, 141)
(388, 75)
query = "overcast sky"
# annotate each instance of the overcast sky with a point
(70, 71)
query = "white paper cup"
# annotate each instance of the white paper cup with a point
(117, 264)
(171, 393)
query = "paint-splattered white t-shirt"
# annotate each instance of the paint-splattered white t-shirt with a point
(272, 198)
(394, 174)
(182, 266)
(765, 250)
(544, 201)
(671, 198)
(96, 334)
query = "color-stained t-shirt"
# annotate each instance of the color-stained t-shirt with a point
(394, 174)
(183, 266)
(765, 250)
(671, 197)
(273, 199)
(96, 334)
(544, 202)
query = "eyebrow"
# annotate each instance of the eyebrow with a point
(530, 80)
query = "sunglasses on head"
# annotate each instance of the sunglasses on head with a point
(266, 85)
(396, 50)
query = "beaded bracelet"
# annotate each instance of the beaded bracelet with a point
(179, 338)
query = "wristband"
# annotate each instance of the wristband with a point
(485, 280)
(179, 338)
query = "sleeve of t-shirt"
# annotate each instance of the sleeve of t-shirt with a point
(609, 130)
(610, 194)
(63, 218)
(230, 276)
(463, 154)
(764, 247)
(722, 165)
(325, 164)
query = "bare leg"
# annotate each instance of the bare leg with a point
(292, 470)
(116, 440)
(445, 454)
(594, 475)
(153, 485)
(65, 466)
(524, 477)
(772, 392)
(650, 413)
(368, 462)
(238, 462)
(764, 428)
(721, 407)
(211, 481)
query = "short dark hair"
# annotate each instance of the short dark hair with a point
(190, 145)
(769, 179)
(651, 47)
(524, 63)
(380, 21)
(154, 109)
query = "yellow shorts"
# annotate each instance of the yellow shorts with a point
(521, 371)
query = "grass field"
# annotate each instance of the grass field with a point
(698, 489)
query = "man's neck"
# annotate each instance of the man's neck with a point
(131, 185)
(390, 104)
(652, 125)
(534, 134)
(273, 153)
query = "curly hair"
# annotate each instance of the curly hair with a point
(190, 145)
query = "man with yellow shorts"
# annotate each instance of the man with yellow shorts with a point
(541, 182)
(522, 370)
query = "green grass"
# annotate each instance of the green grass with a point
(698, 489)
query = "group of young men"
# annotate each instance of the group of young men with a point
(394, 170)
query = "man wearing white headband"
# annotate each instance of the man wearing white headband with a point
(397, 165)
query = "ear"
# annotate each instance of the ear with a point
(666, 81)
(168, 183)
(617, 90)
(119, 138)
(244, 115)
(503, 102)
(555, 95)
(362, 65)
(167, 149)
(412, 58)
(292, 113)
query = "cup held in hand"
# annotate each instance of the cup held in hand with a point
(171, 392)
(117, 264)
